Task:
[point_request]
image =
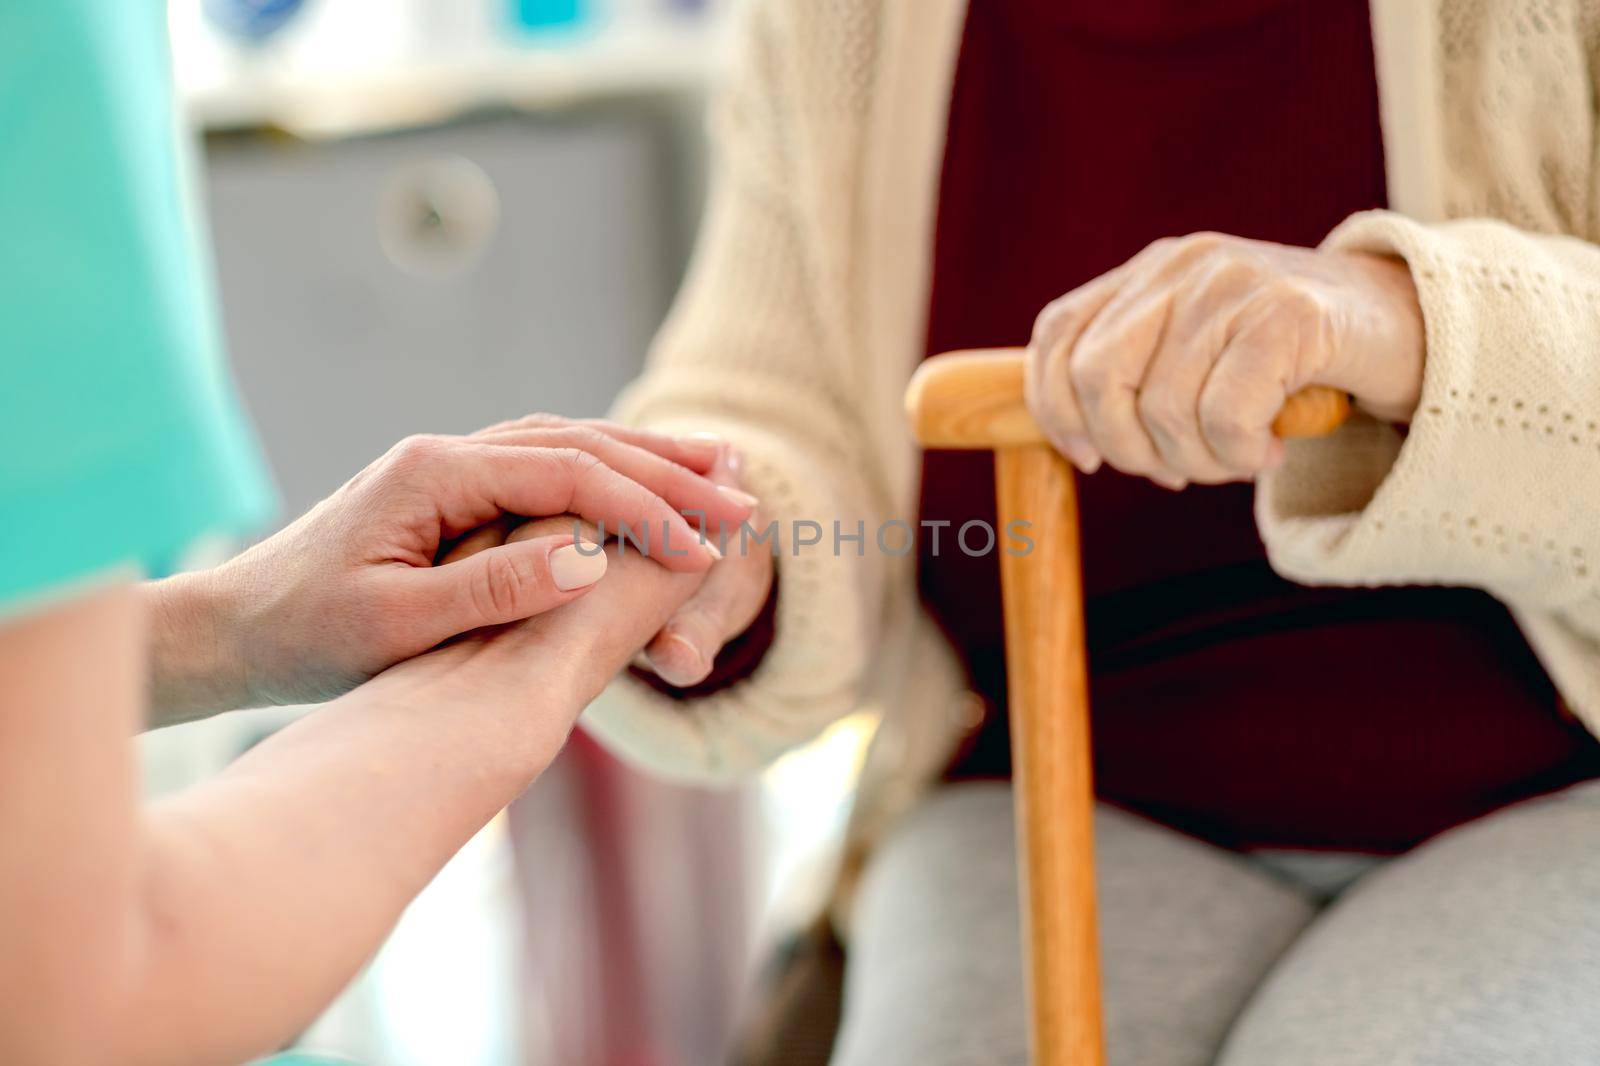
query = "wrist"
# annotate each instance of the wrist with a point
(1387, 382)
(197, 662)
(508, 714)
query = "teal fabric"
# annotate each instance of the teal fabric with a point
(120, 437)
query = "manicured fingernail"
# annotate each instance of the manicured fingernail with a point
(571, 569)
(743, 499)
(712, 550)
(1086, 461)
(1171, 484)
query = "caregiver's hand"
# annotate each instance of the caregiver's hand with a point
(539, 674)
(352, 587)
(1173, 365)
(710, 609)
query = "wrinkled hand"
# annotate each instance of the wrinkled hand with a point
(353, 586)
(711, 610)
(727, 600)
(1173, 365)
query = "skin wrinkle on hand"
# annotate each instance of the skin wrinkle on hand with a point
(1172, 365)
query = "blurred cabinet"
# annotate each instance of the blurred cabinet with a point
(442, 279)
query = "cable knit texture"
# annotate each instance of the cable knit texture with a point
(805, 309)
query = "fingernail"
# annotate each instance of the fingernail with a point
(712, 549)
(743, 499)
(733, 460)
(705, 443)
(697, 660)
(571, 569)
(1088, 462)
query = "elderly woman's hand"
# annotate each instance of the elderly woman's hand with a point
(723, 605)
(1173, 365)
(711, 609)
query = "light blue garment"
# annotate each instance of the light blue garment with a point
(120, 437)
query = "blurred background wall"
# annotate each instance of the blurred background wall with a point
(431, 215)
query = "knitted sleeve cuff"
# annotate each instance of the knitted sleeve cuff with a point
(1497, 480)
(823, 626)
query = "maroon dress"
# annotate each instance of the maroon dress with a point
(1080, 131)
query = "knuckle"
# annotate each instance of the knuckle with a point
(1162, 410)
(1047, 323)
(538, 422)
(1127, 450)
(1092, 375)
(417, 450)
(542, 420)
(1203, 243)
(1161, 247)
(606, 427)
(579, 461)
(585, 438)
(1286, 295)
(505, 583)
(1228, 272)
(1220, 420)
(411, 457)
(1054, 322)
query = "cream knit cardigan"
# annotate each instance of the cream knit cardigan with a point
(804, 314)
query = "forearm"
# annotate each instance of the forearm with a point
(221, 921)
(266, 889)
(70, 679)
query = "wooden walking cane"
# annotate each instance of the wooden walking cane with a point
(974, 400)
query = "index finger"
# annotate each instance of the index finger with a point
(1048, 380)
(487, 479)
(698, 452)
(688, 491)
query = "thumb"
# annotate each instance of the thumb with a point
(508, 583)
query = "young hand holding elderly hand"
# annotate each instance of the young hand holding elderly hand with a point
(1173, 365)
(700, 613)
(352, 588)
(465, 670)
